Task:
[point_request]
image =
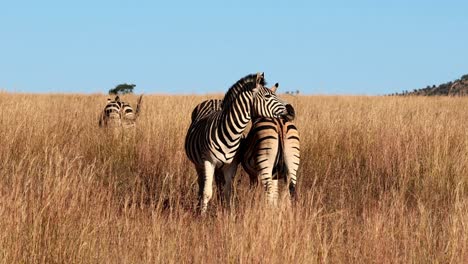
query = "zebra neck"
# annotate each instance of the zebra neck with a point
(235, 119)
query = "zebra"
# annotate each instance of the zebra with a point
(110, 116)
(129, 116)
(213, 139)
(117, 113)
(271, 152)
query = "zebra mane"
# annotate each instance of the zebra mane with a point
(247, 83)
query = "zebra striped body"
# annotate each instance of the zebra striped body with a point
(271, 153)
(119, 114)
(213, 138)
(206, 108)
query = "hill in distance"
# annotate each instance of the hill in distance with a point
(458, 87)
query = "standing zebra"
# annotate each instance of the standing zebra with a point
(271, 152)
(117, 113)
(129, 116)
(213, 139)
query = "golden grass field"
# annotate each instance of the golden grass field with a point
(382, 180)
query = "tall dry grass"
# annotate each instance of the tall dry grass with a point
(382, 180)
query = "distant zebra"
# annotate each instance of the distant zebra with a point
(110, 116)
(213, 139)
(117, 113)
(129, 116)
(271, 152)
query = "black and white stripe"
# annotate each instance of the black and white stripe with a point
(206, 108)
(213, 139)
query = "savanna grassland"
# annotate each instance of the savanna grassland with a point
(382, 180)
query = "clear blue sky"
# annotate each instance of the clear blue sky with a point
(317, 47)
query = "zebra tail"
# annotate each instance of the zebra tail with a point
(138, 107)
(280, 163)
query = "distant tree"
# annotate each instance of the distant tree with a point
(464, 77)
(122, 89)
(297, 92)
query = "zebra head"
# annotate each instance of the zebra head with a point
(291, 113)
(265, 103)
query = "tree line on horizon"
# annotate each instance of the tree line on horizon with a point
(458, 87)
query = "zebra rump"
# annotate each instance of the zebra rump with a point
(271, 153)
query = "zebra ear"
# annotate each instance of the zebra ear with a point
(117, 98)
(274, 87)
(260, 82)
(260, 78)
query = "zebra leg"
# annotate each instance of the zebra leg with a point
(219, 180)
(229, 172)
(269, 184)
(274, 192)
(286, 189)
(250, 168)
(205, 184)
(291, 180)
(292, 164)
